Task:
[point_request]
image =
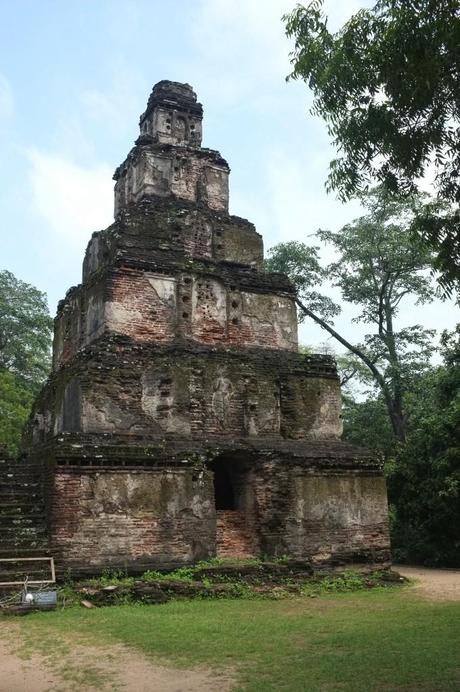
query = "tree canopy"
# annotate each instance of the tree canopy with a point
(424, 475)
(15, 403)
(25, 339)
(25, 331)
(387, 85)
(378, 266)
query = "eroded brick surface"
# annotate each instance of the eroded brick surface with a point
(180, 419)
(156, 516)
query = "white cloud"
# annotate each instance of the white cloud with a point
(295, 200)
(240, 48)
(119, 105)
(72, 199)
(6, 98)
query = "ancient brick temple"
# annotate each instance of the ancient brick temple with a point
(180, 421)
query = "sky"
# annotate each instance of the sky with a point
(76, 75)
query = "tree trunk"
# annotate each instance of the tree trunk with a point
(393, 403)
(395, 406)
(398, 420)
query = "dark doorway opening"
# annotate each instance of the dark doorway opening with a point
(234, 502)
(224, 493)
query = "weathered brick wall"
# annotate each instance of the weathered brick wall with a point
(158, 308)
(167, 159)
(151, 517)
(142, 306)
(155, 308)
(129, 517)
(332, 517)
(173, 114)
(80, 321)
(136, 389)
(180, 172)
(157, 234)
(236, 534)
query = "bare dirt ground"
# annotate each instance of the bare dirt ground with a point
(112, 668)
(117, 668)
(437, 584)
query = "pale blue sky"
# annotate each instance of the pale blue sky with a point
(75, 76)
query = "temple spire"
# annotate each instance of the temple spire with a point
(173, 115)
(168, 160)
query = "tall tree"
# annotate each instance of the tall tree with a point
(378, 266)
(424, 479)
(15, 403)
(388, 86)
(25, 331)
(423, 474)
(25, 340)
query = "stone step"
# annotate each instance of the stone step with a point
(39, 551)
(23, 527)
(18, 483)
(11, 504)
(18, 487)
(32, 548)
(19, 571)
(23, 490)
(19, 474)
(11, 535)
(8, 486)
(6, 529)
(22, 505)
(19, 520)
(18, 466)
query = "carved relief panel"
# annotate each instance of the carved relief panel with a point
(165, 398)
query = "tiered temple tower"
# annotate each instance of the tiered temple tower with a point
(180, 421)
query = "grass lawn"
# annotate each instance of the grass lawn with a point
(384, 639)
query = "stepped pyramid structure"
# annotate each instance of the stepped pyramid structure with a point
(180, 421)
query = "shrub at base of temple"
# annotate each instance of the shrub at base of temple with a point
(222, 579)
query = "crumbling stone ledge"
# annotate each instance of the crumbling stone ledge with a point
(254, 579)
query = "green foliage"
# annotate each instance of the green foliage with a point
(152, 575)
(301, 263)
(25, 340)
(180, 574)
(387, 85)
(368, 640)
(15, 403)
(423, 473)
(343, 582)
(244, 578)
(339, 583)
(113, 578)
(25, 331)
(424, 478)
(366, 424)
(378, 267)
(378, 261)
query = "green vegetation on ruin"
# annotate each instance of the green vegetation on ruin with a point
(252, 578)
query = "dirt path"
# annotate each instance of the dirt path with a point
(114, 668)
(438, 584)
(72, 666)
